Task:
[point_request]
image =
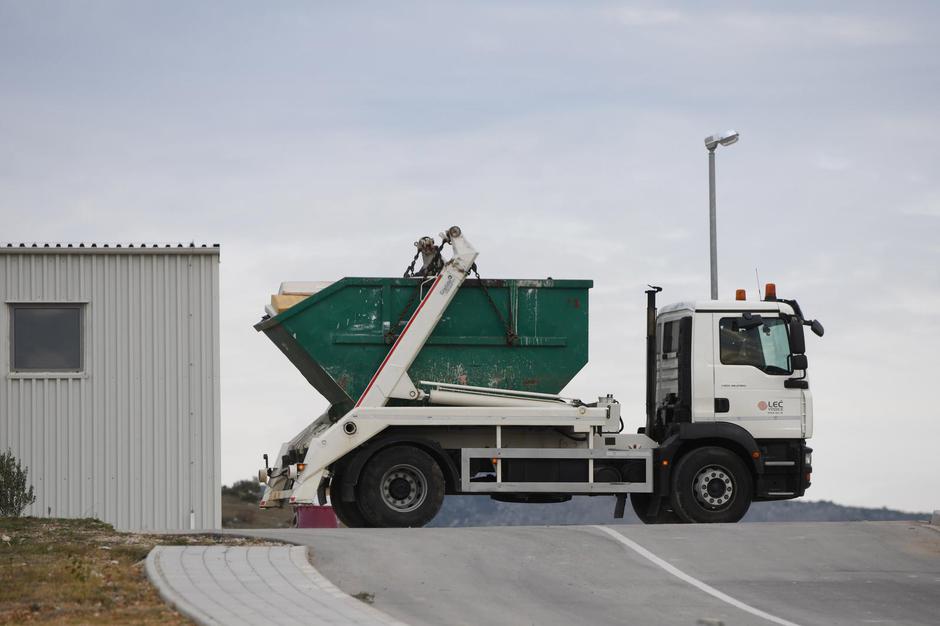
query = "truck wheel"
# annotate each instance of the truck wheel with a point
(349, 514)
(711, 485)
(401, 486)
(641, 503)
(346, 512)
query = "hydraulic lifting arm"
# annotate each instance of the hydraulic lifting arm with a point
(391, 379)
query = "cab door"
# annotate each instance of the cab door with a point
(751, 365)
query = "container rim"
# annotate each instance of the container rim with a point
(364, 281)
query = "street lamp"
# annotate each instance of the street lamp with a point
(711, 143)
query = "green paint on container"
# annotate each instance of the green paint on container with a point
(338, 336)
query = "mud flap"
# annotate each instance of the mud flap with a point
(620, 506)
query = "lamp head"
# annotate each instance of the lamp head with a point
(725, 139)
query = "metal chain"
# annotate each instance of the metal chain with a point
(511, 335)
(436, 261)
(410, 270)
(435, 266)
(393, 330)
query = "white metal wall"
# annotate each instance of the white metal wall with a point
(134, 440)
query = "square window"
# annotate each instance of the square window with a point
(46, 337)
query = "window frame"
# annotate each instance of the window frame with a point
(786, 329)
(670, 338)
(45, 372)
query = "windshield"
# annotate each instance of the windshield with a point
(766, 347)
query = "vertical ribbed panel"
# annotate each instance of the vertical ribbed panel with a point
(135, 439)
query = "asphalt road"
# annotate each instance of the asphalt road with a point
(792, 573)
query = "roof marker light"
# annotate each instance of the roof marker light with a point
(770, 292)
(740, 294)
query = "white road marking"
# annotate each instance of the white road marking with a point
(695, 582)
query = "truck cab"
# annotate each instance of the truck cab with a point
(729, 375)
(715, 365)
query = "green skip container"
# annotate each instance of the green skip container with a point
(527, 335)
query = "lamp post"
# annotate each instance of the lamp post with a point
(711, 144)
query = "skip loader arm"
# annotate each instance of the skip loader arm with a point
(390, 380)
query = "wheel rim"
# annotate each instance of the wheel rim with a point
(404, 488)
(713, 487)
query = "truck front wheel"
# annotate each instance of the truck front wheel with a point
(401, 486)
(711, 485)
(641, 506)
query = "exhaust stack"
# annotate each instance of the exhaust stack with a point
(651, 356)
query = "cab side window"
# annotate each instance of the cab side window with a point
(670, 335)
(766, 347)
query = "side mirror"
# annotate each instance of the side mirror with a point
(798, 362)
(797, 338)
(817, 328)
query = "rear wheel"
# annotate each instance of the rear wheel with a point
(641, 505)
(346, 512)
(401, 486)
(711, 485)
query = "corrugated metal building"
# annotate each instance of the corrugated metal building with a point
(110, 391)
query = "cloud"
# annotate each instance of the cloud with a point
(927, 205)
(831, 163)
(853, 30)
(675, 234)
(636, 16)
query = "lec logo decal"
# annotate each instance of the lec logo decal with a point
(774, 406)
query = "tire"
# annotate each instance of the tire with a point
(641, 502)
(348, 513)
(401, 487)
(711, 485)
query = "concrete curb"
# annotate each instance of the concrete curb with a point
(270, 585)
(155, 574)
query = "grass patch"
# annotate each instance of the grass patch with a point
(66, 571)
(243, 512)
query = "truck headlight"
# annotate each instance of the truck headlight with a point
(808, 460)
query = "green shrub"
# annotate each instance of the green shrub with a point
(14, 493)
(247, 490)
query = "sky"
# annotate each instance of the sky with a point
(319, 140)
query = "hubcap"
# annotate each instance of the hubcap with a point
(713, 487)
(404, 488)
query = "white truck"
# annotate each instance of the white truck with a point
(728, 413)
